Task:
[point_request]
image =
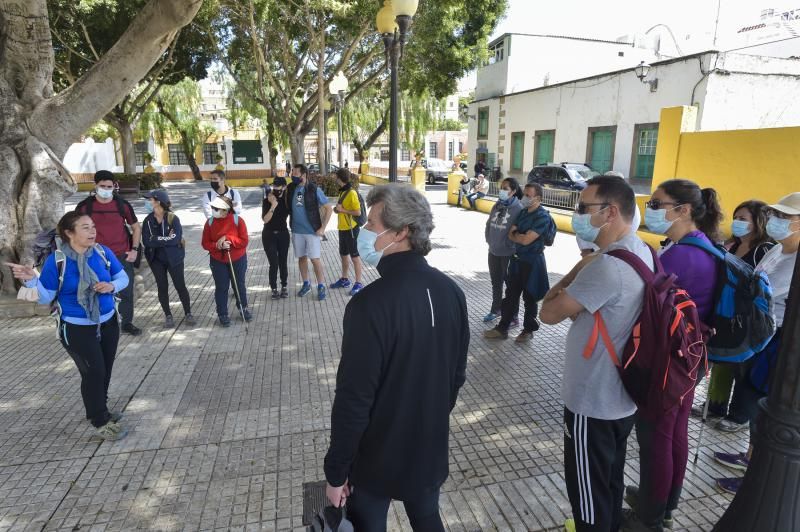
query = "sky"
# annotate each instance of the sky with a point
(693, 22)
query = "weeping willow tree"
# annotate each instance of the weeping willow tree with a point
(174, 115)
(364, 120)
(419, 114)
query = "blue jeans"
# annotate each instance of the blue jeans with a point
(221, 271)
(368, 511)
(472, 198)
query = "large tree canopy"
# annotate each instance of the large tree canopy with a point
(38, 124)
(83, 31)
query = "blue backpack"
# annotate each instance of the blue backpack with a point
(743, 320)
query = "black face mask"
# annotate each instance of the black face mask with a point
(214, 185)
(277, 193)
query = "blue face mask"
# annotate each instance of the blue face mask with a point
(583, 228)
(366, 246)
(740, 228)
(779, 228)
(503, 195)
(656, 220)
(104, 193)
(148, 206)
(296, 180)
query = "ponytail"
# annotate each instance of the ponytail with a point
(709, 221)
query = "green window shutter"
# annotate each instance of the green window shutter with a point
(517, 150)
(247, 152)
(602, 148)
(483, 123)
(646, 153)
(545, 144)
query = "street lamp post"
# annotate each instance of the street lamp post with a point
(769, 497)
(339, 86)
(393, 21)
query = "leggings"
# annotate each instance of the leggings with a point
(93, 350)
(175, 271)
(276, 245)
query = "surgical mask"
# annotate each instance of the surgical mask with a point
(296, 179)
(583, 228)
(503, 195)
(366, 246)
(148, 206)
(526, 202)
(779, 228)
(740, 228)
(104, 193)
(656, 220)
(214, 185)
(219, 214)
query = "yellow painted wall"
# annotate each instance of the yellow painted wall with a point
(739, 164)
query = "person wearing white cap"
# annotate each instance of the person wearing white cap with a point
(225, 238)
(162, 236)
(783, 225)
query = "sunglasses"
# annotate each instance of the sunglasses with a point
(582, 207)
(657, 204)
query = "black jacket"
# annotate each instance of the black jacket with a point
(166, 235)
(404, 357)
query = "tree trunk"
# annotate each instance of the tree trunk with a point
(126, 146)
(195, 169)
(322, 140)
(37, 127)
(297, 144)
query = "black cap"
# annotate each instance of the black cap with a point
(104, 175)
(279, 182)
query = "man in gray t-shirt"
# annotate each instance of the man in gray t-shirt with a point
(598, 413)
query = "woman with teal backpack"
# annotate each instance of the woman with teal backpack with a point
(82, 278)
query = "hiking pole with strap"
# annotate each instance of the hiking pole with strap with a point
(236, 288)
(703, 422)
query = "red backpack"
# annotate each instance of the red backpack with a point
(667, 348)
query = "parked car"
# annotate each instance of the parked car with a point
(566, 176)
(313, 168)
(436, 170)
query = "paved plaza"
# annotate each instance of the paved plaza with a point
(227, 425)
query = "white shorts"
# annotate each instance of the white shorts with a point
(306, 245)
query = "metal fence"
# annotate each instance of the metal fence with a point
(551, 197)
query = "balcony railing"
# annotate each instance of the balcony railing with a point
(551, 197)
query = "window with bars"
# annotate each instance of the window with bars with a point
(405, 154)
(140, 149)
(433, 150)
(517, 150)
(450, 153)
(646, 138)
(176, 154)
(210, 152)
(483, 123)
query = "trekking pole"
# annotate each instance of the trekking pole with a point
(236, 289)
(703, 422)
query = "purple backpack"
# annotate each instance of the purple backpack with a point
(667, 348)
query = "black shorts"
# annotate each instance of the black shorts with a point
(347, 242)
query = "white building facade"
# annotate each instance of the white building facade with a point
(611, 120)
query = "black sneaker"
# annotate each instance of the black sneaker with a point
(247, 315)
(225, 321)
(284, 292)
(276, 294)
(169, 322)
(131, 329)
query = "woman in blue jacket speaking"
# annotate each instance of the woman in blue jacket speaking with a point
(82, 277)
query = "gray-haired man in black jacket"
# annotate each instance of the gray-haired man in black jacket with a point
(404, 356)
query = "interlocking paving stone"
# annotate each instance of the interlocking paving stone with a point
(226, 425)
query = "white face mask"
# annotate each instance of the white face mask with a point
(219, 214)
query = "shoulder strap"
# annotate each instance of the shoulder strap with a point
(88, 205)
(61, 266)
(702, 244)
(236, 219)
(98, 248)
(633, 260)
(209, 195)
(170, 218)
(120, 205)
(600, 331)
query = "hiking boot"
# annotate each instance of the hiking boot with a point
(111, 431)
(728, 425)
(490, 317)
(524, 337)
(344, 282)
(496, 334)
(276, 294)
(246, 315)
(632, 498)
(730, 484)
(169, 322)
(284, 292)
(737, 461)
(225, 321)
(632, 523)
(305, 289)
(357, 287)
(131, 329)
(669, 522)
(321, 292)
(189, 320)
(714, 410)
